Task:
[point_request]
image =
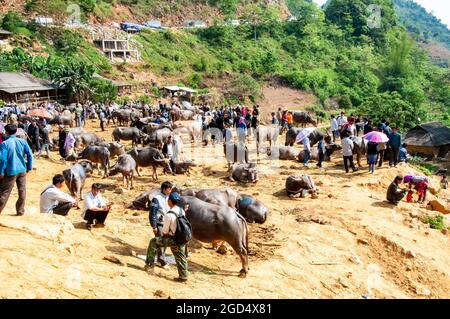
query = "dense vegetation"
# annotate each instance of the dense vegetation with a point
(417, 20)
(335, 53)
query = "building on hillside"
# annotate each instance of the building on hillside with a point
(180, 92)
(195, 24)
(430, 139)
(25, 88)
(122, 87)
(118, 49)
(43, 21)
(154, 24)
(4, 35)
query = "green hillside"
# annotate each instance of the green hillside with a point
(333, 53)
(417, 20)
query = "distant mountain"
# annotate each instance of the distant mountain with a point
(417, 20)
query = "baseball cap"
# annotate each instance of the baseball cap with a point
(174, 197)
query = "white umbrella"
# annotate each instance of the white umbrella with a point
(304, 133)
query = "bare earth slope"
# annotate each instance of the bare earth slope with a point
(347, 243)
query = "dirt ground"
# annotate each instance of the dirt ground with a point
(348, 243)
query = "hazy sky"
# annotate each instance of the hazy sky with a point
(440, 8)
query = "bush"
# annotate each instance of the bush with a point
(435, 222)
(146, 99)
(345, 102)
(12, 21)
(102, 91)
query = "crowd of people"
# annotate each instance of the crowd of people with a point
(17, 160)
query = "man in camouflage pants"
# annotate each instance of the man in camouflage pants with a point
(167, 240)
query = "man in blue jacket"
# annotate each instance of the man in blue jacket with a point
(14, 168)
(395, 141)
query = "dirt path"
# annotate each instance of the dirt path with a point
(347, 243)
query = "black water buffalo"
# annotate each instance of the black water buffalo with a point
(235, 153)
(302, 118)
(283, 152)
(244, 173)
(219, 196)
(158, 137)
(146, 157)
(329, 150)
(75, 177)
(212, 223)
(292, 133)
(98, 155)
(299, 185)
(62, 120)
(183, 167)
(87, 139)
(266, 133)
(132, 134)
(359, 148)
(122, 116)
(142, 201)
(253, 210)
(125, 165)
(115, 148)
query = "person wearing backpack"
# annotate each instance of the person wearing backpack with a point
(172, 237)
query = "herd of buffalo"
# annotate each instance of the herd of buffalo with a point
(216, 215)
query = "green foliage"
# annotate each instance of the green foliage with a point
(435, 222)
(195, 80)
(427, 168)
(2, 103)
(102, 91)
(345, 102)
(67, 42)
(12, 21)
(146, 99)
(245, 86)
(391, 106)
(156, 92)
(417, 20)
(357, 19)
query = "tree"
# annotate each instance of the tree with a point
(102, 91)
(391, 106)
(74, 77)
(12, 21)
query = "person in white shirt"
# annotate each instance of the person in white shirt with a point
(95, 208)
(334, 128)
(341, 121)
(307, 149)
(55, 201)
(347, 152)
(167, 240)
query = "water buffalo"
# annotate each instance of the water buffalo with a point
(330, 149)
(299, 185)
(359, 148)
(98, 155)
(158, 137)
(192, 128)
(212, 223)
(252, 209)
(122, 116)
(87, 139)
(125, 165)
(283, 152)
(266, 133)
(292, 133)
(183, 167)
(62, 120)
(244, 173)
(75, 177)
(115, 148)
(219, 196)
(302, 118)
(132, 134)
(150, 157)
(235, 153)
(142, 201)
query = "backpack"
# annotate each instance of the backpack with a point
(183, 234)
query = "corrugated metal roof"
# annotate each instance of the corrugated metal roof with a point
(429, 134)
(12, 82)
(5, 32)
